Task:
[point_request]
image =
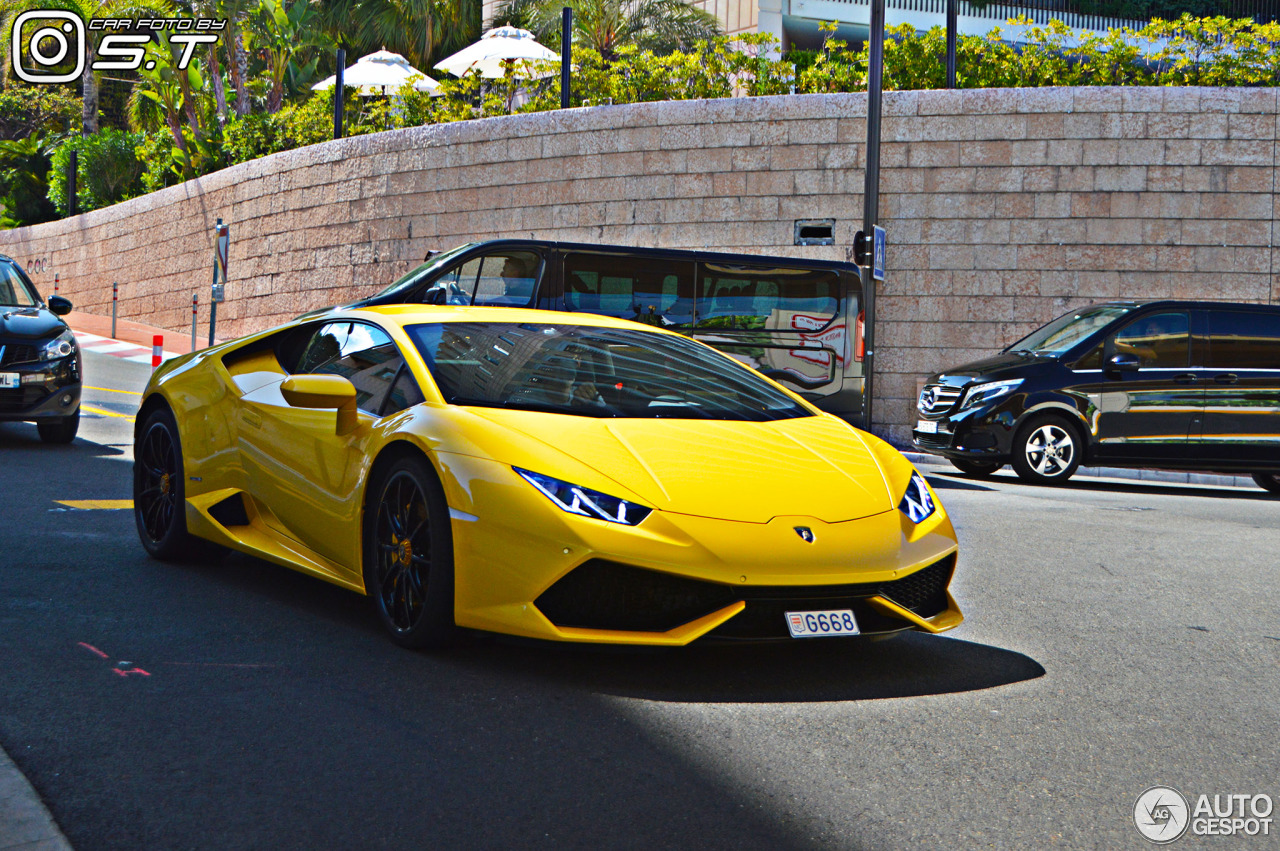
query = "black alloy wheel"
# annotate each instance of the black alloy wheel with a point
(408, 562)
(1047, 450)
(159, 503)
(977, 469)
(60, 430)
(1268, 481)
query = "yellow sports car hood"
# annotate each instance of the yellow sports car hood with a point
(748, 471)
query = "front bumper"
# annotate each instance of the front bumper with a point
(47, 390)
(979, 434)
(525, 568)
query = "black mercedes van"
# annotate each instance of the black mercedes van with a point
(1177, 385)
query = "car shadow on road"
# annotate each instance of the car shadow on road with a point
(1134, 486)
(906, 665)
(23, 438)
(945, 481)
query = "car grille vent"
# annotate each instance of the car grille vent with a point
(932, 441)
(937, 399)
(925, 591)
(230, 511)
(10, 354)
(606, 595)
(16, 399)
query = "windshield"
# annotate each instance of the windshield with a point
(14, 291)
(422, 271)
(593, 372)
(1065, 331)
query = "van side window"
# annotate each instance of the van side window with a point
(643, 289)
(508, 278)
(1240, 340)
(1160, 340)
(767, 299)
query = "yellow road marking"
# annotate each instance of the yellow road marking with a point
(96, 503)
(104, 412)
(113, 390)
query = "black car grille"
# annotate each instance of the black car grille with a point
(12, 353)
(605, 595)
(17, 399)
(938, 399)
(932, 441)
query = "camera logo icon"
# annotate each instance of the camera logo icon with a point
(60, 38)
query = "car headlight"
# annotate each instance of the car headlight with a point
(59, 347)
(576, 499)
(980, 394)
(917, 503)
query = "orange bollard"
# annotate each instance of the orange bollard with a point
(157, 347)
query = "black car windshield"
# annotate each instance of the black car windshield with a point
(14, 291)
(593, 372)
(425, 269)
(1065, 331)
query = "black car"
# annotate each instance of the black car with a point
(1168, 384)
(39, 358)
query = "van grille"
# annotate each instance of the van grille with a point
(938, 399)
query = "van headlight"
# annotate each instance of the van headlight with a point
(60, 346)
(988, 391)
(576, 499)
(917, 503)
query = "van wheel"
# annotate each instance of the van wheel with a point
(1268, 481)
(1047, 450)
(977, 469)
(60, 430)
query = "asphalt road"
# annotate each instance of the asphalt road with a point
(1119, 635)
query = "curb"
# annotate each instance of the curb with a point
(1164, 477)
(24, 822)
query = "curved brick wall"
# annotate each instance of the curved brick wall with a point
(1004, 207)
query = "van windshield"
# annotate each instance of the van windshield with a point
(1065, 331)
(418, 274)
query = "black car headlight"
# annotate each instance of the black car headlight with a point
(576, 499)
(60, 346)
(988, 391)
(917, 503)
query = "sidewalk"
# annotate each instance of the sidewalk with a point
(24, 822)
(1161, 477)
(128, 331)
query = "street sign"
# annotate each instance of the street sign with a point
(877, 255)
(221, 249)
(219, 294)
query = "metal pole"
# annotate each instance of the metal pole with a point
(871, 197)
(115, 297)
(951, 42)
(56, 275)
(566, 54)
(339, 94)
(195, 304)
(73, 166)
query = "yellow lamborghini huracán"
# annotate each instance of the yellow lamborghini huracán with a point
(548, 475)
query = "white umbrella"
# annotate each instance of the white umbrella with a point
(500, 49)
(380, 73)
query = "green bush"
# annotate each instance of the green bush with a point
(36, 110)
(24, 186)
(108, 170)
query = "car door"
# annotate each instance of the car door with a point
(1146, 415)
(297, 465)
(1242, 388)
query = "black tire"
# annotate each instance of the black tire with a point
(977, 469)
(60, 430)
(159, 492)
(408, 554)
(1047, 450)
(1268, 481)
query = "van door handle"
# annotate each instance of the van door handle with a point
(1185, 378)
(1226, 378)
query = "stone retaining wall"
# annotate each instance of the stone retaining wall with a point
(1004, 208)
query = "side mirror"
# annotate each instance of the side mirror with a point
(323, 391)
(1122, 363)
(59, 306)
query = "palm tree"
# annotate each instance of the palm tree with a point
(661, 26)
(423, 31)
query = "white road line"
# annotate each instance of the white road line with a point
(112, 348)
